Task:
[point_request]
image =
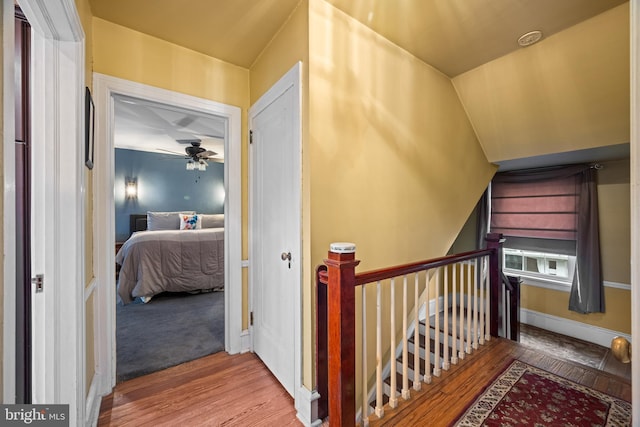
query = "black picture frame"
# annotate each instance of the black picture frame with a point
(89, 120)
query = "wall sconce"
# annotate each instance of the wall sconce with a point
(131, 189)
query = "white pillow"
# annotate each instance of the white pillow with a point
(165, 220)
(212, 220)
(190, 221)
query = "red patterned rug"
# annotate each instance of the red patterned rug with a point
(524, 395)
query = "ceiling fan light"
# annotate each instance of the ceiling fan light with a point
(191, 165)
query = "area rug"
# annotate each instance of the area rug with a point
(171, 329)
(524, 395)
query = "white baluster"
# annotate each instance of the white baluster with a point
(379, 405)
(393, 399)
(405, 350)
(462, 311)
(454, 314)
(436, 360)
(469, 308)
(445, 319)
(416, 335)
(475, 303)
(365, 385)
(427, 334)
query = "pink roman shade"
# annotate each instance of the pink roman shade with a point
(536, 209)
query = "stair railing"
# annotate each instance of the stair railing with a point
(471, 280)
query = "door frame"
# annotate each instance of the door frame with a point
(105, 88)
(57, 105)
(290, 80)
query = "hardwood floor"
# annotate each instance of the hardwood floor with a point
(224, 390)
(564, 347)
(217, 390)
(441, 402)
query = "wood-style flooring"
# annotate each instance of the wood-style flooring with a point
(224, 390)
(441, 402)
(217, 390)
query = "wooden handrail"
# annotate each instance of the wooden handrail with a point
(402, 270)
(414, 267)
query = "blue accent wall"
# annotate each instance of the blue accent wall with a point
(164, 184)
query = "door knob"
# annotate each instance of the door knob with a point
(286, 256)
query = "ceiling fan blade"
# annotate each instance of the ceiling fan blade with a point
(172, 152)
(207, 153)
(184, 122)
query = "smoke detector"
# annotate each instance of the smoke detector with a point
(530, 38)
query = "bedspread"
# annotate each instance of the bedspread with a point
(170, 261)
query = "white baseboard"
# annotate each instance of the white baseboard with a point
(92, 410)
(307, 407)
(571, 328)
(245, 341)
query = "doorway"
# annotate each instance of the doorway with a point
(106, 89)
(176, 315)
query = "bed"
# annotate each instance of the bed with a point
(165, 259)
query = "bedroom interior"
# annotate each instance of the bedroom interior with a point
(169, 225)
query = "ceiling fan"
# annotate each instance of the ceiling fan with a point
(196, 155)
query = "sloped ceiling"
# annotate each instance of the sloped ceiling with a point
(452, 35)
(458, 37)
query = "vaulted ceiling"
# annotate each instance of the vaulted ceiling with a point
(452, 35)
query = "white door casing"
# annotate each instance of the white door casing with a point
(275, 224)
(105, 88)
(58, 201)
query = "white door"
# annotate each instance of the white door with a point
(275, 229)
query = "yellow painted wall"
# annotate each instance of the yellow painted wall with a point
(567, 92)
(287, 48)
(395, 166)
(614, 208)
(86, 19)
(618, 307)
(615, 248)
(131, 55)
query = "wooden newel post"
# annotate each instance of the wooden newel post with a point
(494, 242)
(341, 268)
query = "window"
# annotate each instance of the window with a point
(548, 267)
(539, 221)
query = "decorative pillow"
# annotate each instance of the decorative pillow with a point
(190, 222)
(212, 221)
(165, 220)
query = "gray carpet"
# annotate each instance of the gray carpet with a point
(169, 330)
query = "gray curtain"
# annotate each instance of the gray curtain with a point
(587, 292)
(482, 220)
